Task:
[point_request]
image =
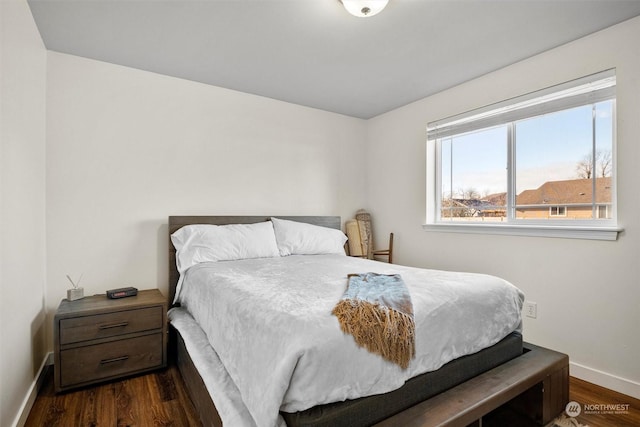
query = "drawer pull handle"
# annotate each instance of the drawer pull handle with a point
(113, 360)
(113, 325)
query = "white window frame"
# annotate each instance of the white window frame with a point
(587, 90)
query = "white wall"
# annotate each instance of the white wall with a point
(22, 206)
(588, 292)
(127, 148)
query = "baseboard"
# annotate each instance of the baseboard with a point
(30, 398)
(605, 379)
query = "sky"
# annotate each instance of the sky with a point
(548, 148)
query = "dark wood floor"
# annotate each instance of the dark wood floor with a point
(156, 399)
(160, 399)
(586, 393)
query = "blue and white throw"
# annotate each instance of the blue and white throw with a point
(376, 309)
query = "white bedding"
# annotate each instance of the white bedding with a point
(269, 321)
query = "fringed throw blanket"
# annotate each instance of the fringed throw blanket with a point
(377, 310)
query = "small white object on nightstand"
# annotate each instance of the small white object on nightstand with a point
(77, 292)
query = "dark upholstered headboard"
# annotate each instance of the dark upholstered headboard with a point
(177, 222)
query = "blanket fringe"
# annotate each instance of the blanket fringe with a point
(379, 329)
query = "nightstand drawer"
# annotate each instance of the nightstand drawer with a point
(94, 362)
(87, 328)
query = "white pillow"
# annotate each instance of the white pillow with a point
(298, 238)
(210, 243)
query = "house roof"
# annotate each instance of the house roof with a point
(568, 192)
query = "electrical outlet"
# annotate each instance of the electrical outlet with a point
(531, 309)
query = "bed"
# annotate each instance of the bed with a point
(209, 379)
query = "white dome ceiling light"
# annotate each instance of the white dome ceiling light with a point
(364, 8)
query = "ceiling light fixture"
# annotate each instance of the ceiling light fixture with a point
(364, 8)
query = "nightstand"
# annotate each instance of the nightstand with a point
(99, 339)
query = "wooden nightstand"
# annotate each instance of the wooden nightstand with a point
(98, 339)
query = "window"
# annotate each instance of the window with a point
(544, 160)
(558, 211)
(603, 211)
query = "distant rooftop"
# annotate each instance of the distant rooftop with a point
(569, 192)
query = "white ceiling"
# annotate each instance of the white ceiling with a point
(312, 52)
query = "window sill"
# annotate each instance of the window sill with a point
(566, 232)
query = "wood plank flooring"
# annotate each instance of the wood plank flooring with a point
(586, 393)
(160, 399)
(155, 399)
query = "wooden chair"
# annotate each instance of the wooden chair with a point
(360, 242)
(388, 253)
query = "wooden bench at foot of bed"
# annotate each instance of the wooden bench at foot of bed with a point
(534, 386)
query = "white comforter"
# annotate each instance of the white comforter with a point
(269, 321)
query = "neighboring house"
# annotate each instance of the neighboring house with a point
(570, 199)
(492, 206)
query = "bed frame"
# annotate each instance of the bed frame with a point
(532, 388)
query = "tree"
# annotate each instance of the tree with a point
(470, 194)
(601, 167)
(584, 168)
(604, 164)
